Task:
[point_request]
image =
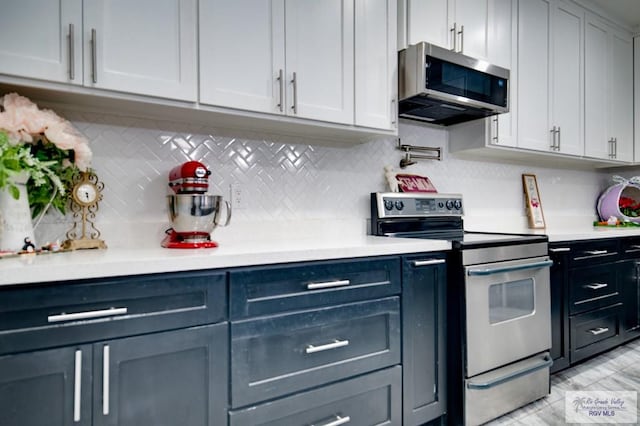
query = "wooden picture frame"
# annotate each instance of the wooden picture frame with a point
(533, 203)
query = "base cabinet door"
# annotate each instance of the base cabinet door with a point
(629, 275)
(423, 344)
(559, 276)
(165, 379)
(46, 388)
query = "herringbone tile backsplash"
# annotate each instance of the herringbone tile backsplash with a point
(284, 181)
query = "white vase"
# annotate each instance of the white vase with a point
(15, 216)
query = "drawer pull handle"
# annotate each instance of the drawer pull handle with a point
(105, 379)
(337, 422)
(635, 247)
(560, 249)
(599, 330)
(328, 284)
(77, 386)
(596, 252)
(310, 349)
(87, 314)
(419, 263)
(596, 286)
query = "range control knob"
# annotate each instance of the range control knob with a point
(388, 205)
(399, 205)
(450, 205)
(458, 204)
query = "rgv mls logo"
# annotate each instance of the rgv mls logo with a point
(601, 407)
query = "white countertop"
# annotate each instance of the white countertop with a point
(253, 246)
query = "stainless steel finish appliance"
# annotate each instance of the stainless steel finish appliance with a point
(444, 87)
(498, 309)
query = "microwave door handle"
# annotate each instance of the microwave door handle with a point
(511, 268)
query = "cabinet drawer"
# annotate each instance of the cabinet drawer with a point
(630, 247)
(593, 287)
(595, 331)
(593, 252)
(33, 317)
(260, 291)
(274, 356)
(373, 399)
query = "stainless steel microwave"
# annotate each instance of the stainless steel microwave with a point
(443, 87)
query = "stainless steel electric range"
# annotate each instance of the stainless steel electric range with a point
(498, 304)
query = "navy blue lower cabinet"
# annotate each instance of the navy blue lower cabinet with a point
(423, 338)
(282, 354)
(372, 399)
(629, 274)
(559, 277)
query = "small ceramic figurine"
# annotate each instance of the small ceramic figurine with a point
(390, 174)
(28, 245)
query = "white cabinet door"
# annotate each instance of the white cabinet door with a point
(567, 79)
(470, 18)
(42, 39)
(534, 23)
(428, 20)
(596, 98)
(500, 33)
(621, 95)
(145, 46)
(241, 68)
(319, 59)
(376, 85)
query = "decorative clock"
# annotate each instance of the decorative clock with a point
(86, 195)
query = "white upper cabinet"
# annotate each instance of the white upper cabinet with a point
(376, 82)
(42, 39)
(609, 91)
(290, 57)
(424, 20)
(245, 73)
(145, 47)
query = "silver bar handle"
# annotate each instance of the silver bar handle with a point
(461, 34)
(546, 362)
(596, 286)
(599, 330)
(553, 138)
(496, 138)
(328, 284)
(559, 135)
(72, 59)
(635, 246)
(94, 55)
(560, 250)
(105, 380)
(77, 382)
(86, 314)
(499, 270)
(394, 112)
(337, 422)
(596, 252)
(281, 91)
(311, 349)
(418, 263)
(454, 36)
(294, 80)
(615, 147)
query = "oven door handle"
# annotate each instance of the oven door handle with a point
(512, 268)
(547, 362)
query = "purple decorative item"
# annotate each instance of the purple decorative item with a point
(610, 202)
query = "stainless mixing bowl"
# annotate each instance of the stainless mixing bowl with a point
(196, 212)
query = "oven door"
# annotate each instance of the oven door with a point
(508, 312)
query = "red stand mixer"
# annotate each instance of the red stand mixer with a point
(193, 213)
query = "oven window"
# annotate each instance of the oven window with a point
(511, 300)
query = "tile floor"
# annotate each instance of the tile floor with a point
(617, 370)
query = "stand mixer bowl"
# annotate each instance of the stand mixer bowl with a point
(196, 213)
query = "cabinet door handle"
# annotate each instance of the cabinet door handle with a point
(281, 89)
(496, 138)
(394, 113)
(77, 389)
(560, 250)
(294, 80)
(596, 252)
(310, 349)
(105, 380)
(86, 315)
(418, 263)
(558, 132)
(599, 330)
(461, 34)
(596, 286)
(328, 284)
(337, 422)
(72, 59)
(94, 55)
(454, 35)
(615, 147)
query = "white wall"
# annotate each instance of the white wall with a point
(295, 182)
